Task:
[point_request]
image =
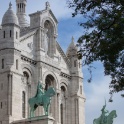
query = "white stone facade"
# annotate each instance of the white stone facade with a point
(30, 52)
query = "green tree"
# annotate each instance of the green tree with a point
(103, 39)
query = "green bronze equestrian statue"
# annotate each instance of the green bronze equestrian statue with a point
(106, 117)
(41, 99)
(104, 114)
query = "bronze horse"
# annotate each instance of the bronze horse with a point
(43, 99)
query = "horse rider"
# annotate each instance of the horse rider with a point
(104, 115)
(39, 92)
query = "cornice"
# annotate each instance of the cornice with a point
(63, 54)
(28, 60)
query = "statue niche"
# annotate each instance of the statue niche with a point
(46, 41)
(48, 38)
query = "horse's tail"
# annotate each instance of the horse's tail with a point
(30, 101)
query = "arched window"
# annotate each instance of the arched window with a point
(2, 63)
(4, 34)
(26, 77)
(61, 109)
(16, 35)
(79, 64)
(10, 33)
(17, 64)
(75, 63)
(62, 105)
(63, 92)
(49, 81)
(23, 104)
(49, 39)
(80, 89)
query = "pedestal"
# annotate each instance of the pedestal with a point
(36, 120)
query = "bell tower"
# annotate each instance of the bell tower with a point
(77, 99)
(21, 12)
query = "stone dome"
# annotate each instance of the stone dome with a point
(10, 17)
(72, 49)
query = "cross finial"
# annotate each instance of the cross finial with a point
(10, 5)
(47, 5)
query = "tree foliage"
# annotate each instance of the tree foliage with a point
(104, 36)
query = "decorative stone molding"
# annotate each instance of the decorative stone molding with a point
(29, 34)
(65, 75)
(30, 45)
(51, 68)
(64, 81)
(53, 16)
(10, 51)
(28, 60)
(63, 54)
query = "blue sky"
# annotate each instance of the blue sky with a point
(96, 91)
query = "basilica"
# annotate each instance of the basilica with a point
(30, 52)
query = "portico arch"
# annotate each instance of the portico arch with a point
(63, 100)
(27, 77)
(49, 76)
(50, 80)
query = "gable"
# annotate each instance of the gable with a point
(28, 44)
(64, 61)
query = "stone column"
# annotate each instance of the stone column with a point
(76, 111)
(42, 38)
(65, 121)
(39, 39)
(55, 109)
(58, 110)
(54, 39)
(29, 96)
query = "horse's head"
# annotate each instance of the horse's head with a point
(50, 92)
(113, 114)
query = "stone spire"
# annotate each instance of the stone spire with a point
(10, 5)
(72, 49)
(21, 12)
(72, 39)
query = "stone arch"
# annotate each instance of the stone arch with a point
(27, 73)
(26, 66)
(49, 73)
(64, 82)
(51, 21)
(49, 36)
(63, 100)
(50, 77)
(64, 87)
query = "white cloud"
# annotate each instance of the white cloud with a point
(98, 89)
(59, 8)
